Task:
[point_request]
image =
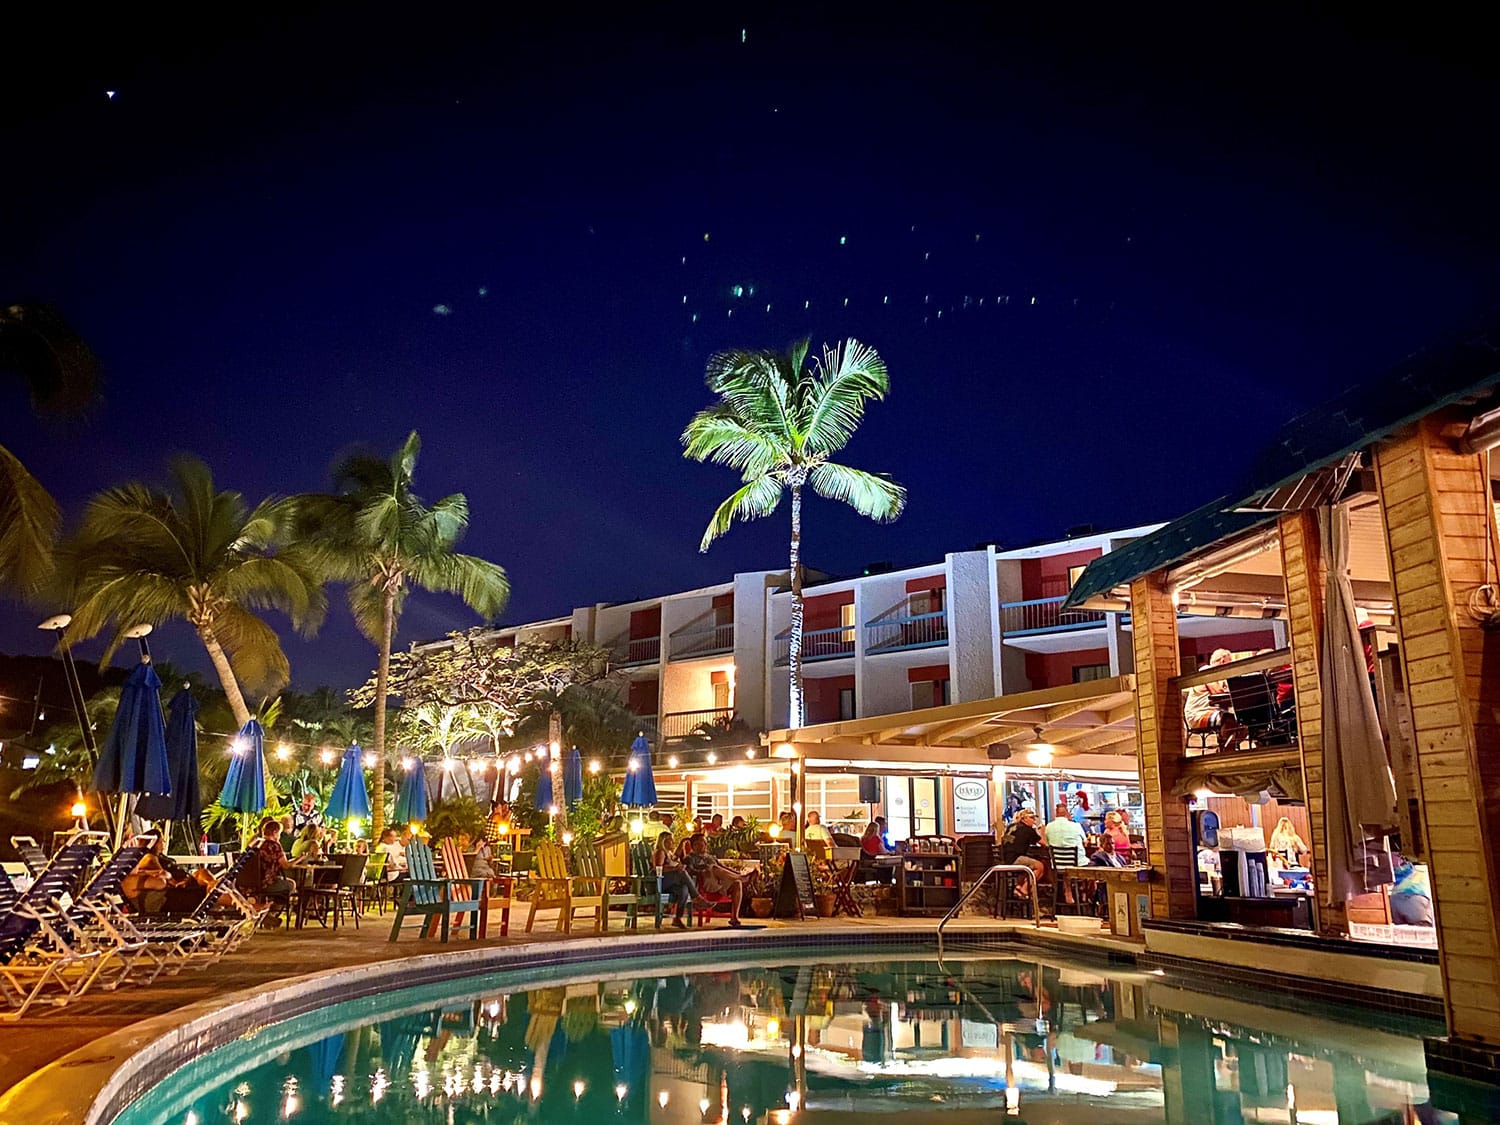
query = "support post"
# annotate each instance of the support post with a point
(1160, 744)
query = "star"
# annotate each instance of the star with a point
(442, 310)
(110, 94)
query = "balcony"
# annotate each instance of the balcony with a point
(1045, 615)
(895, 631)
(629, 652)
(817, 644)
(678, 726)
(702, 637)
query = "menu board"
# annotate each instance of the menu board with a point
(971, 806)
(795, 899)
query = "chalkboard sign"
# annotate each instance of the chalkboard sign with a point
(795, 897)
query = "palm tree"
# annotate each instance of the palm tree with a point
(149, 555)
(62, 375)
(376, 535)
(777, 422)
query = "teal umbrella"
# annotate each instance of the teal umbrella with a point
(411, 798)
(350, 799)
(245, 783)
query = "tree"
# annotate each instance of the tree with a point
(149, 555)
(777, 422)
(378, 537)
(62, 375)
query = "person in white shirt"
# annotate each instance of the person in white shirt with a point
(1062, 831)
(395, 855)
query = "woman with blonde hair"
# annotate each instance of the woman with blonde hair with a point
(1286, 843)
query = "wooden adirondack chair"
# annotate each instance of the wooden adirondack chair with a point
(493, 892)
(422, 893)
(554, 885)
(632, 884)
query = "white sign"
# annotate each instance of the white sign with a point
(971, 806)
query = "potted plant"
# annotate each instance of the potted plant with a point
(765, 885)
(823, 896)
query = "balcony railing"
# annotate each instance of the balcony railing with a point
(678, 725)
(818, 644)
(641, 650)
(702, 640)
(1045, 615)
(903, 631)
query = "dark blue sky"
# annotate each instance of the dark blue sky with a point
(1219, 224)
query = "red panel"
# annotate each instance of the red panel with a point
(1196, 650)
(645, 623)
(927, 672)
(821, 697)
(935, 582)
(1053, 669)
(724, 601)
(823, 612)
(1048, 577)
(642, 697)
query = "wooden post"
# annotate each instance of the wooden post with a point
(1305, 573)
(1160, 743)
(1435, 503)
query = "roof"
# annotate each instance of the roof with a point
(1173, 542)
(1421, 384)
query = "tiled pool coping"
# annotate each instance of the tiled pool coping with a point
(95, 1084)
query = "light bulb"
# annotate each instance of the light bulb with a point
(79, 810)
(594, 766)
(712, 757)
(283, 751)
(672, 761)
(579, 1088)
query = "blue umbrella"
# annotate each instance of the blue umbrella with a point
(544, 799)
(411, 798)
(324, 1055)
(573, 778)
(245, 783)
(185, 803)
(630, 1051)
(639, 790)
(134, 757)
(350, 798)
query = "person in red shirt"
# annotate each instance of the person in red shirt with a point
(269, 881)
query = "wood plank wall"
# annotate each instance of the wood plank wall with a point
(1236, 811)
(1306, 573)
(1159, 734)
(1434, 501)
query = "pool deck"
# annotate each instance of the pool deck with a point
(47, 1034)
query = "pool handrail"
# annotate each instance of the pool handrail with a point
(1017, 868)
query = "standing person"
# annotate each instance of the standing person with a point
(673, 878)
(714, 878)
(1019, 839)
(1286, 843)
(1080, 807)
(306, 812)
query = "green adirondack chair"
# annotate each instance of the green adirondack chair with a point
(422, 894)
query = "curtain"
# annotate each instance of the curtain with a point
(1359, 797)
(1283, 783)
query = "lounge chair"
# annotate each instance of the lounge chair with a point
(553, 884)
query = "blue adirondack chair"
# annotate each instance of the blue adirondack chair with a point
(432, 899)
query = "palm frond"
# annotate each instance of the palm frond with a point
(717, 434)
(877, 497)
(482, 585)
(253, 649)
(404, 462)
(367, 604)
(285, 582)
(60, 369)
(756, 499)
(124, 596)
(29, 522)
(844, 379)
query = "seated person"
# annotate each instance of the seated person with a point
(675, 882)
(737, 822)
(1411, 894)
(395, 855)
(158, 884)
(817, 838)
(1106, 856)
(309, 846)
(264, 878)
(1203, 714)
(1019, 839)
(871, 843)
(1063, 832)
(1115, 833)
(713, 878)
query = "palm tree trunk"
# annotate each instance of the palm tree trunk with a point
(555, 768)
(382, 685)
(227, 678)
(794, 643)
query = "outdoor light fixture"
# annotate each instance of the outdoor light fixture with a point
(633, 765)
(79, 810)
(551, 810)
(283, 751)
(502, 828)
(594, 766)
(325, 755)
(637, 826)
(406, 763)
(703, 1104)
(749, 753)
(567, 837)
(370, 760)
(554, 748)
(1039, 753)
(662, 1099)
(630, 1006)
(620, 1091)
(796, 767)
(672, 761)
(775, 831)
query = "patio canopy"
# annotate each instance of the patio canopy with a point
(1090, 726)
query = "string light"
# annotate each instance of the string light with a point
(370, 760)
(407, 763)
(326, 756)
(712, 757)
(594, 766)
(283, 751)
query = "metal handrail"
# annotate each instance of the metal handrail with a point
(1020, 869)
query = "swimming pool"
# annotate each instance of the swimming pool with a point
(831, 1036)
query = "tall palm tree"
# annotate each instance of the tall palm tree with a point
(62, 375)
(376, 535)
(777, 422)
(149, 555)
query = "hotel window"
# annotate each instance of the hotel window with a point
(931, 693)
(1083, 673)
(846, 619)
(846, 703)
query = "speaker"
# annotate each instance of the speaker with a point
(869, 789)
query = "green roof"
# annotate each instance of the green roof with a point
(1425, 382)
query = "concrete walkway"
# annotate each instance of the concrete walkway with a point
(47, 1034)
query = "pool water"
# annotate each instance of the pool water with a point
(981, 1037)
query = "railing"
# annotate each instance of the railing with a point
(818, 644)
(1045, 615)
(640, 650)
(647, 725)
(702, 640)
(892, 633)
(678, 725)
(957, 907)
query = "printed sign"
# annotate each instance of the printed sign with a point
(971, 806)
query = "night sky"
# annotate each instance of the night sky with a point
(1103, 258)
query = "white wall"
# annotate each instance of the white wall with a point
(971, 628)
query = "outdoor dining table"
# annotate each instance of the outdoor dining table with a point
(204, 861)
(305, 876)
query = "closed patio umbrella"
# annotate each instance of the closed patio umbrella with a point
(544, 798)
(350, 799)
(411, 797)
(134, 756)
(184, 802)
(639, 790)
(245, 784)
(573, 778)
